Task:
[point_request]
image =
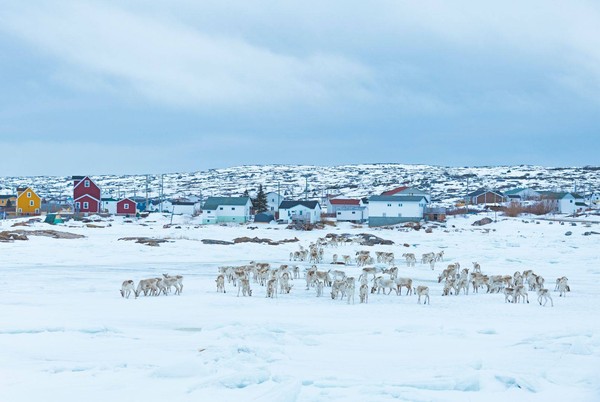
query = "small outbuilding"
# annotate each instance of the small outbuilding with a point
(126, 207)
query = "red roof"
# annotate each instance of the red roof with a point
(343, 201)
(395, 191)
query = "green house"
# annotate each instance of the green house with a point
(226, 210)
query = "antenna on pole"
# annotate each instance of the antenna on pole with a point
(147, 178)
(306, 188)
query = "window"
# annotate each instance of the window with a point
(339, 213)
(78, 205)
(126, 206)
(233, 208)
(220, 208)
(399, 215)
(86, 183)
(384, 214)
(389, 205)
(353, 212)
(28, 194)
(399, 205)
(86, 205)
(31, 203)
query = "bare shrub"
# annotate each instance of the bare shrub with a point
(540, 208)
(514, 209)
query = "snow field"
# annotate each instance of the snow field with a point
(66, 332)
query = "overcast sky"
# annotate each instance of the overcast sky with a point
(151, 86)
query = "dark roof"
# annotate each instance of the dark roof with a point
(554, 195)
(213, 203)
(264, 217)
(344, 201)
(292, 204)
(6, 197)
(396, 198)
(182, 203)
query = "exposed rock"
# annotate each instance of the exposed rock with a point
(219, 242)
(6, 237)
(368, 239)
(148, 241)
(23, 234)
(305, 226)
(569, 233)
(264, 241)
(481, 222)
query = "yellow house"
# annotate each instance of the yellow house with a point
(28, 202)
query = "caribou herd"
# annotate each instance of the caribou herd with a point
(153, 286)
(377, 275)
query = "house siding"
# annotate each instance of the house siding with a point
(91, 195)
(24, 201)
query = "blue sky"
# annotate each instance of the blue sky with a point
(96, 87)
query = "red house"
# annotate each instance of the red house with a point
(126, 207)
(86, 195)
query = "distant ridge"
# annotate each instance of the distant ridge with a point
(446, 184)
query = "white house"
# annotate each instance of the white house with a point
(226, 210)
(565, 203)
(108, 205)
(393, 209)
(405, 190)
(185, 207)
(304, 211)
(522, 194)
(273, 201)
(348, 210)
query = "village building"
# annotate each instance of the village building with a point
(126, 207)
(521, 194)
(300, 211)
(8, 201)
(28, 202)
(86, 195)
(407, 190)
(273, 201)
(564, 202)
(226, 210)
(108, 205)
(393, 209)
(347, 210)
(485, 197)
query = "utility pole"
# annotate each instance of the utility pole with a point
(466, 198)
(162, 191)
(306, 188)
(147, 178)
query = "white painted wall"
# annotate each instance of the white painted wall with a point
(301, 210)
(109, 206)
(393, 209)
(566, 205)
(351, 215)
(273, 201)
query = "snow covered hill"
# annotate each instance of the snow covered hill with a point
(445, 183)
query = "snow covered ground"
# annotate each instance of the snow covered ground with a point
(67, 335)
